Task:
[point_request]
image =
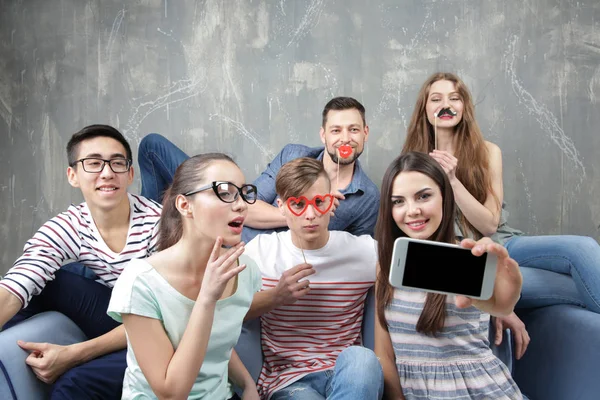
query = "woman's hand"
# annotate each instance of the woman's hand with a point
(219, 270)
(507, 287)
(447, 161)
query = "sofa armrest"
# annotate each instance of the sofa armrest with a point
(563, 357)
(17, 381)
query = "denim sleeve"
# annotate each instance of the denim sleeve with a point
(265, 183)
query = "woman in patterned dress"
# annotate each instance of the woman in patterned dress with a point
(434, 346)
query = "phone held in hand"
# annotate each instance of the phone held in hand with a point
(442, 268)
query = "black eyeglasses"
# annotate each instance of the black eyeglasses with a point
(95, 165)
(228, 192)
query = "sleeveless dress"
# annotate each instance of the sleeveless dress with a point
(457, 363)
(503, 234)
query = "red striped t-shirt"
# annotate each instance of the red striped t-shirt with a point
(308, 335)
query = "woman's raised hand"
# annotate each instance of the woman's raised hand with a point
(219, 270)
(447, 161)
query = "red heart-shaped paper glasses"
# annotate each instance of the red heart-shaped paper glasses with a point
(299, 205)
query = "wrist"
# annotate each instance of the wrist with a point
(206, 300)
(276, 298)
(76, 354)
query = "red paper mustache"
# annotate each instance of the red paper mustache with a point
(298, 205)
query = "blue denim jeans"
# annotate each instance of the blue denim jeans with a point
(158, 159)
(576, 258)
(357, 375)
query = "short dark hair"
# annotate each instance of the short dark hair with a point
(90, 132)
(343, 103)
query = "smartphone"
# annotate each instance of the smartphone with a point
(442, 268)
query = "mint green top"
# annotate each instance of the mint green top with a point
(141, 290)
(502, 235)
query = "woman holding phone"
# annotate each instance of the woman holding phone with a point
(434, 345)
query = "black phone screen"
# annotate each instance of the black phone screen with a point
(443, 268)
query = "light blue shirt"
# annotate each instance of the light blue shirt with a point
(141, 290)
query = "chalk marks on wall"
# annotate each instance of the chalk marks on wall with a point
(545, 118)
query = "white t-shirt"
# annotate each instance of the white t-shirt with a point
(308, 335)
(141, 290)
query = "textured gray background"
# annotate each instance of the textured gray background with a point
(247, 77)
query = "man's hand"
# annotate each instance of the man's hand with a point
(290, 286)
(48, 361)
(517, 327)
(337, 196)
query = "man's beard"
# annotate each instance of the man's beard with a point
(344, 161)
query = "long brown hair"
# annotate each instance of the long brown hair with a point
(187, 177)
(472, 154)
(386, 232)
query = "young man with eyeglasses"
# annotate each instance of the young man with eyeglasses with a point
(103, 234)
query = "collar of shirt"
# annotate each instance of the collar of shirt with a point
(357, 184)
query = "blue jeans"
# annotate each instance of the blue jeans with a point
(577, 257)
(357, 375)
(85, 302)
(158, 159)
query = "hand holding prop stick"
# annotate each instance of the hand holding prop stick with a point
(440, 113)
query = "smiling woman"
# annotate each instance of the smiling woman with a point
(474, 168)
(434, 345)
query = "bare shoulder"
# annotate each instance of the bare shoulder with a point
(493, 148)
(495, 154)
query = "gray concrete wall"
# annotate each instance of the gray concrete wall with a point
(247, 77)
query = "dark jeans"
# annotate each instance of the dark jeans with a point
(85, 302)
(158, 159)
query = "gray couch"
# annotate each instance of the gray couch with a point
(563, 358)
(562, 362)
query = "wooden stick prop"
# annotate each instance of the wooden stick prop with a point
(442, 112)
(435, 130)
(344, 151)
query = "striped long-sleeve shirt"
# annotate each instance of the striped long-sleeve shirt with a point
(308, 335)
(72, 236)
